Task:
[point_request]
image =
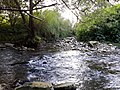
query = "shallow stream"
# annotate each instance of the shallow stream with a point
(90, 68)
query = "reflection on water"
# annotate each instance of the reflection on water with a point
(90, 70)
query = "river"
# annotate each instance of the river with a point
(90, 68)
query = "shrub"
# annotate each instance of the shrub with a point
(101, 25)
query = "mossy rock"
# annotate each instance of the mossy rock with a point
(36, 86)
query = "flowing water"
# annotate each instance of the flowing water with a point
(89, 68)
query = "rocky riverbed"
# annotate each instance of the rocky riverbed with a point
(91, 66)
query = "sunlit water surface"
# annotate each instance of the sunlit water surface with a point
(89, 71)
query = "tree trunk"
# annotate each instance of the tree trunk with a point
(31, 22)
(30, 40)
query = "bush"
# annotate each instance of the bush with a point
(101, 25)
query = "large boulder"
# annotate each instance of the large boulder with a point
(36, 86)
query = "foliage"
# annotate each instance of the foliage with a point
(14, 32)
(52, 25)
(101, 25)
(23, 8)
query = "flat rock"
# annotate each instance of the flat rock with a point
(65, 86)
(36, 86)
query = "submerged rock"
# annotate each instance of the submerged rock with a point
(36, 86)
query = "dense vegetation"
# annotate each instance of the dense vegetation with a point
(50, 27)
(101, 25)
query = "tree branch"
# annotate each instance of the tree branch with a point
(36, 3)
(14, 9)
(70, 9)
(45, 6)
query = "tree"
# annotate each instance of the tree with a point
(26, 8)
(101, 25)
(23, 8)
(82, 8)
